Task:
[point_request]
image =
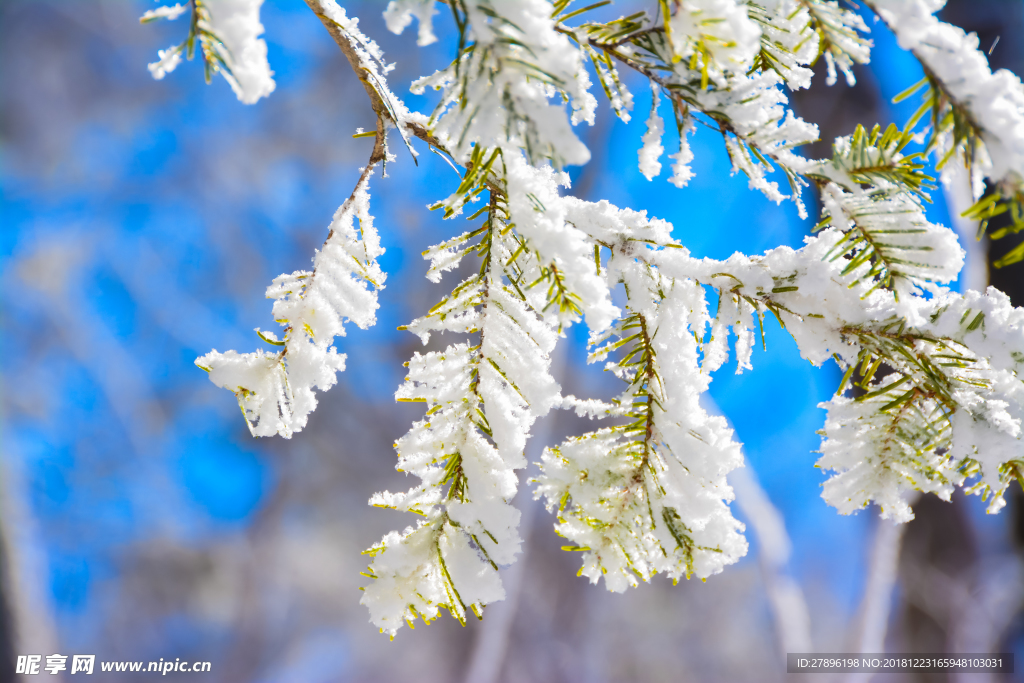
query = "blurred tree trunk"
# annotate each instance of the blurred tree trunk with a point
(7, 622)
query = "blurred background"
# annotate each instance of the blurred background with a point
(140, 223)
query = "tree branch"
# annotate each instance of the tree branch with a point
(376, 101)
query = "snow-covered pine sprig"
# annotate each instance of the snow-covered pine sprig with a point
(888, 240)
(839, 32)
(227, 33)
(950, 405)
(481, 401)
(976, 116)
(943, 413)
(734, 95)
(650, 495)
(496, 92)
(275, 391)
(789, 42)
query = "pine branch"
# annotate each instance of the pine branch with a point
(967, 125)
(936, 375)
(873, 193)
(839, 40)
(481, 401)
(750, 148)
(619, 490)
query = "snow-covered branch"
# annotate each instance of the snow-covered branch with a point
(976, 116)
(275, 390)
(932, 397)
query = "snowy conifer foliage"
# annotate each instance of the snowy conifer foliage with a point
(932, 396)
